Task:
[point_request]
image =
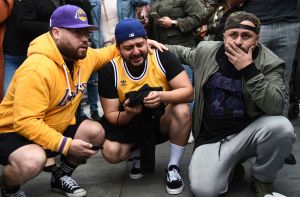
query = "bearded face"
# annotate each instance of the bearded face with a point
(134, 51)
(72, 52)
(73, 43)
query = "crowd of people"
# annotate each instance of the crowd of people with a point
(162, 71)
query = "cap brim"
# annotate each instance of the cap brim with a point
(91, 27)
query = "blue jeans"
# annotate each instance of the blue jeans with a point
(11, 64)
(190, 74)
(282, 39)
(92, 92)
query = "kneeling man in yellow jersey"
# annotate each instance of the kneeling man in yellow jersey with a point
(144, 98)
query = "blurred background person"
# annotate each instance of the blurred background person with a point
(280, 32)
(175, 22)
(5, 10)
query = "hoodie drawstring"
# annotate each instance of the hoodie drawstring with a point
(221, 142)
(79, 82)
(68, 81)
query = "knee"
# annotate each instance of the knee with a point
(182, 112)
(206, 185)
(97, 133)
(94, 132)
(33, 161)
(283, 131)
(112, 152)
(204, 191)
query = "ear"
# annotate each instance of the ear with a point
(224, 40)
(56, 33)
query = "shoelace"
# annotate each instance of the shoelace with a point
(173, 175)
(68, 182)
(19, 193)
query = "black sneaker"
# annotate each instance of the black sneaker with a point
(174, 182)
(18, 193)
(95, 116)
(68, 186)
(135, 172)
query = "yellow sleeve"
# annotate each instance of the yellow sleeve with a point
(31, 102)
(103, 55)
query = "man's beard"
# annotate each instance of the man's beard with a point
(69, 53)
(129, 62)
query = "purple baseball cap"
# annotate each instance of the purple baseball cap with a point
(70, 16)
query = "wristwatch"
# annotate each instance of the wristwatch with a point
(174, 23)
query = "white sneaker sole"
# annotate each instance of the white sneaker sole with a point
(80, 193)
(136, 176)
(175, 191)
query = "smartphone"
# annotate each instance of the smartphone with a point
(96, 147)
(154, 15)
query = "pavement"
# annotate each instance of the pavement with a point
(102, 179)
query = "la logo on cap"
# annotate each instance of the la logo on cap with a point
(80, 14)
(131, 35)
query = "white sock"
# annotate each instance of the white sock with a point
(176, 154)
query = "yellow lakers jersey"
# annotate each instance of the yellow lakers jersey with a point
(153, 74)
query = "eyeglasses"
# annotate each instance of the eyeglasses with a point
(80, 31)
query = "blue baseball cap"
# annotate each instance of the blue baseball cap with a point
(128, 29)
(70, 16)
